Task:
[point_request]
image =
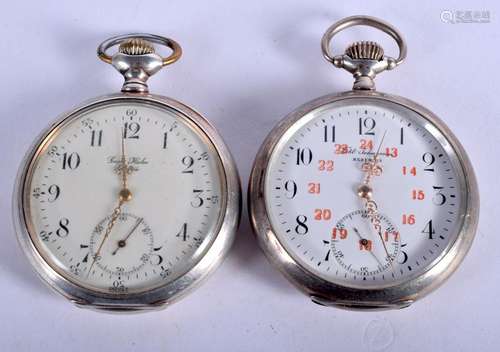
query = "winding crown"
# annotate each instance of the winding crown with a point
(365, 50)
(136, 46)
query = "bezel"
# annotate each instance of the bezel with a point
(172, 291)
(327, 292)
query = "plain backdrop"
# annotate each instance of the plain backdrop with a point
(246, 64)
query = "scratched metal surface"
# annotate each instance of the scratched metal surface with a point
(245, 65)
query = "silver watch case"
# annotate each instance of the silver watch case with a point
(329, 293)
(172, 291)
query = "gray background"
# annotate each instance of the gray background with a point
(245, 65)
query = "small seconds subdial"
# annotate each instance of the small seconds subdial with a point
(354, 234)
(130, 249)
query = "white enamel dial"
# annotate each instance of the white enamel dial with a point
(415, 211)
(88, 233)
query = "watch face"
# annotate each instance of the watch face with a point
(124, 196)
(380, 236)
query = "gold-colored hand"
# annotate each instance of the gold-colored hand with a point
(123, 242)
(365, 192)
(124, 166)
(374, 166)
(125, 193)
(123, 196)
(372, 211)
(111, 223)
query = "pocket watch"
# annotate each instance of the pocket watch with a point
(362, 199)
(128, 201)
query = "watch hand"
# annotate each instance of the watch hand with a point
(365, 191)
(123, 242)
(123, 196)
(124, 166)
(379, 147)
(372, 211)
(125, 193)
(364, 239)
(111, 223)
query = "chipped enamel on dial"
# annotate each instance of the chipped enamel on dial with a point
(311, 192)
(175, 178)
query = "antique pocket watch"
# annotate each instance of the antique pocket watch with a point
(363, 199)
(130, 200)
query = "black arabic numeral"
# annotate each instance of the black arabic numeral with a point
(304, 156)
(291, 189)
(429, 229)
(367, 126)
(204, 156)
(183, 232)
(96, 138)
(131, 130)
(45, 236)
(439, 198)
(198, 201)
(429, 159)
(327, 256)
(63, 230)
(329, 134)
(188, 162)
(131, 112)
(301, 228)
(156, 259)
(70, 161)
(404, 254)
(54, 191)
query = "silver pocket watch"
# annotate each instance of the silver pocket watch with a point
(363, 200)
(128, 201)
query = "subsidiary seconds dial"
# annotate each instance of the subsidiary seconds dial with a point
(404, 219)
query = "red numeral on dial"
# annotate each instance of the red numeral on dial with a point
(365, 244)
(387, 235)
(341, 148)
(409, 170)
(341, 233)
(417, 194)
(322, 214)
(325, 165)
(366, 144)
(408, 219)
(392, 152)
(314, 188)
